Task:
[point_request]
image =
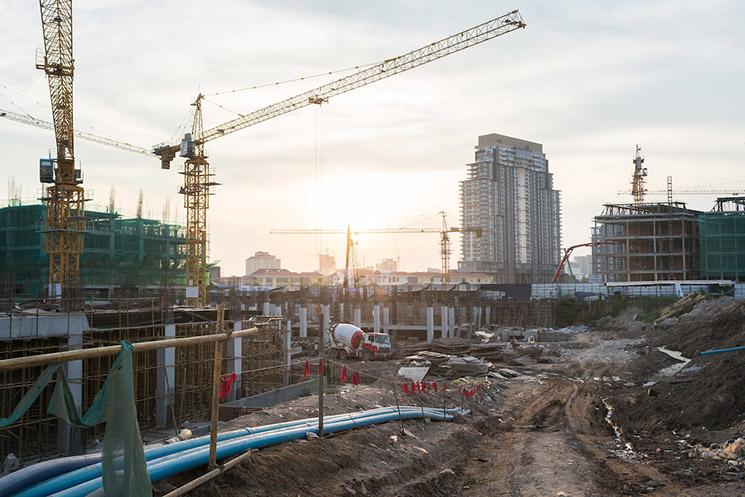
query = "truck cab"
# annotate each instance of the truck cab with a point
(378, 344)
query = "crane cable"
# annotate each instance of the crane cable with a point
(293, 80)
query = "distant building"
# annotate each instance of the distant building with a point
(283, 277)
(262, 260)
(509, 194)
(326, 264)
(582, 266)
(387, 265)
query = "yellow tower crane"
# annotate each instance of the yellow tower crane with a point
(65, 198)
(197, 177)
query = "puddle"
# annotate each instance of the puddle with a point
(622, 449)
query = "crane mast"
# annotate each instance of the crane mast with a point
(198, 179)
(65, 198)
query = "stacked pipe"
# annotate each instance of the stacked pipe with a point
(80, 476)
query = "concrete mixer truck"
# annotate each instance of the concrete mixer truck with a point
(348, 340)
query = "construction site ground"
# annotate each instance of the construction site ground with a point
(546, 432)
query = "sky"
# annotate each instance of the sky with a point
(589, 80)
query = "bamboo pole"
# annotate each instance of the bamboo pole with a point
(183, 490)
(216, 374)
(74, 355)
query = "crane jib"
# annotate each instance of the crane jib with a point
(396, 65)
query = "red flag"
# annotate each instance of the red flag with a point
(306, 370)
(405, 387)
(414, 386)
(355, 378)
(434, 386)
(321, 369)
(343, 376)
(226, 384)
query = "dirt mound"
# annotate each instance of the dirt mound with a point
(378, 460)
(716, 323)
(713, 397)
(709, 391)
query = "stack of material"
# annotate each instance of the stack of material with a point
(411, 345)
(487, 351)
(453, 346)
(468, 365)
(435, 358)
(680, 306)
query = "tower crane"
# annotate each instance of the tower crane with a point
(637, 181)
(198, 179)
(65, 197)
(444, 239)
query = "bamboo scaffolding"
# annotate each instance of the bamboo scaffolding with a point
(74, 355)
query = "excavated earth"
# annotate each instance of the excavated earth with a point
(544, 433)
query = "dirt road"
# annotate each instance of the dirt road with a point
(544, 434)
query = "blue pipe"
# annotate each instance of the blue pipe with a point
(177, 463)
(27, 478)
(722, 351)
(49, 480)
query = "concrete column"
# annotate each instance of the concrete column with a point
(444, 321)
(340, 317)
(376, 318)
(166, 383)
(69, 439)
(476, 310)
(358, 317)
(267, 309)
(451, 321)
(326, 321)
(386, 319)
(303, 315)
(235, 360)
(487, 319)
(430, 324)
(288, 352)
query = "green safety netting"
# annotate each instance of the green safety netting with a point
(123, 459)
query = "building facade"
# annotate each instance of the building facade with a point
(284, 278)
(646, 242)
(262, 260)
(509, 194)
(326, 264)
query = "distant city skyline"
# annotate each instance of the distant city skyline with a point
(588, 80)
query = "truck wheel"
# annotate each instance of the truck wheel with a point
(366, 356)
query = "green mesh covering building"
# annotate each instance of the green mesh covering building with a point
(722, 237)
(118, 253)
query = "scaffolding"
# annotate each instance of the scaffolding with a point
(118, 253)
(646, 242)
(722, 235)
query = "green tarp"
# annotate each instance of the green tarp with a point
(123, 460)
